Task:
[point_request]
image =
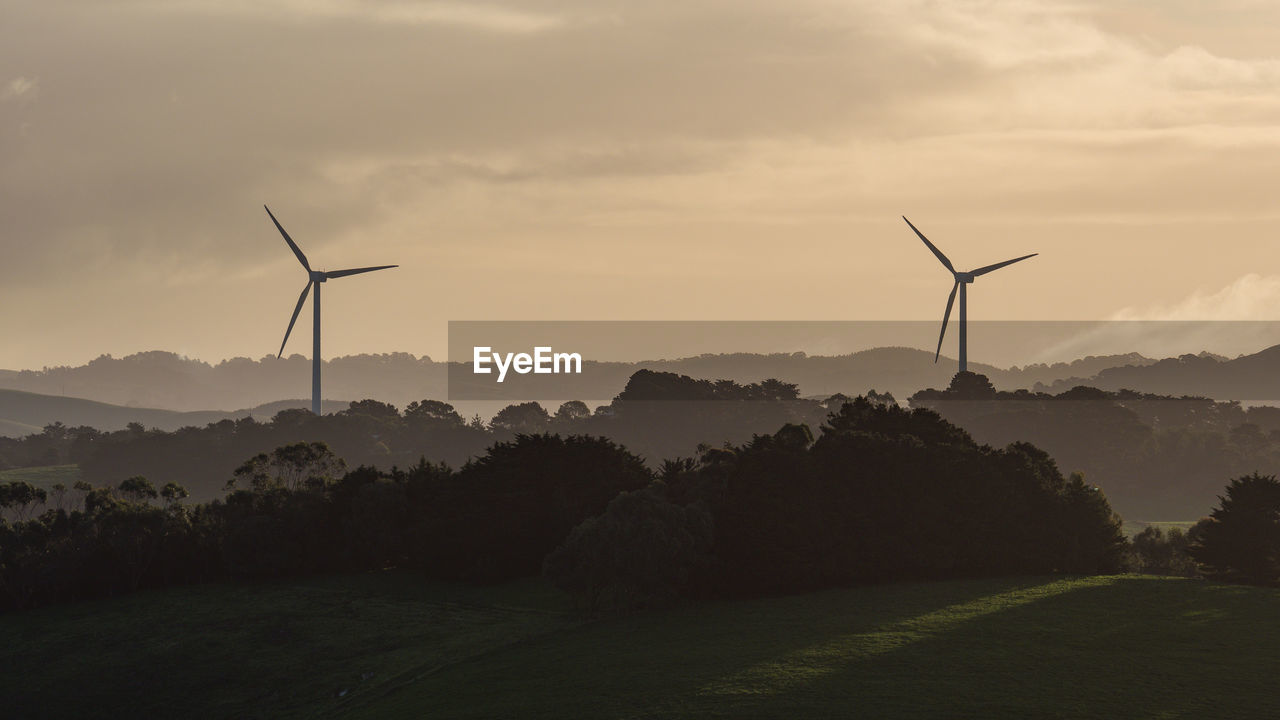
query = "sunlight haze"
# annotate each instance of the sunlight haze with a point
(572, 160)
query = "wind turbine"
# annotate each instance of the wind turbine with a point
(315, 277)
(962, 279)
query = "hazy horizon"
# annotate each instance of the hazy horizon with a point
(566, 160)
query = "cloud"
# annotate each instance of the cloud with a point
(18, 88)
(569, 133)
(464, 15)
(1251, 297)
(1232, 320)
(1195, 68)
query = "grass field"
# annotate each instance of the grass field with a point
(391, 645)
(43, 476)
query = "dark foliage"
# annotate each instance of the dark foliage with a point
(643, 550)
(1240, 540)
(295, 511)
(887, 493)
(509, 508)
(883, 494)
(370, 432)
(1157, 456)
(1156, 552)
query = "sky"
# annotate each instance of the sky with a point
(611, 159)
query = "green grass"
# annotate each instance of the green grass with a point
(1121, 646)
(270, 650)
(43, 476)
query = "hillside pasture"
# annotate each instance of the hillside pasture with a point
(391, 645)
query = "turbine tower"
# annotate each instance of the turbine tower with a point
(961, 280)
(314, 277)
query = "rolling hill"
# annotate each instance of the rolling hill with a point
(169, 382)
(23, 413)
(391, 645)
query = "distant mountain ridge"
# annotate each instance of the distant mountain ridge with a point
(155, 387)
(165, 380)
(1248, 377)
(23, 413)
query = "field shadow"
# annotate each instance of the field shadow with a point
(696, 661)
(1130, 646)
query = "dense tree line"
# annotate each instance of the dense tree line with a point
(883, 494)
(1158, 457)
(298, 510)
(1155, 551)
(643, 417)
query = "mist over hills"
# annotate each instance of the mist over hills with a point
(167, 381)
(23, 413)
(1248, 377)
(165, 390)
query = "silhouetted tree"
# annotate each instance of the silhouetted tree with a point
(504, 511)
(21, 498)
(1241, 540)
(138, 489)
(526, 418)
(373, 409)
(432, 413)
(572, 411)
(1155, 552)
(291, 467)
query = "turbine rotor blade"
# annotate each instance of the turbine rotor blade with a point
(301, 299)
(946, 316)
(294, 246)
(935, 250)
(356, 271)
(997, 266)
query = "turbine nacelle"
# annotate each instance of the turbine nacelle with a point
(318, 276)
(964, 277)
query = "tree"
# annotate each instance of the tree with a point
(138, 489)
(1153, 551)
(774, 389)
(59, 492)
(573, 411)
(835, 402)
(290, 467)
(527, 418)
(21, 497)
(884, 398)
(373, 408)
(432, 413)
(1241, 540)
(968, 385)
(510, 507)
(173, 493)
(292, 418)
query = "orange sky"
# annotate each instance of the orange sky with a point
(575, 159)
